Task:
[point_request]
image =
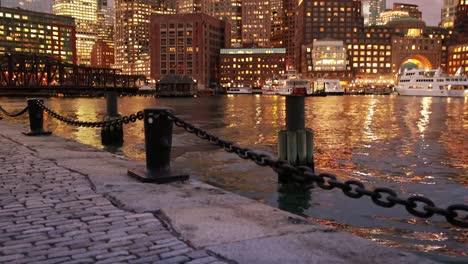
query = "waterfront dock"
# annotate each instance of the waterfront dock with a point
(64, 202)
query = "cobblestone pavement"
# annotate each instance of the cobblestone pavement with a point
(50, 214)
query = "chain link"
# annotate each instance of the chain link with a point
(14, 114)
(303, 175)
(112, 122)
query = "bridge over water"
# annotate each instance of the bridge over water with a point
(43, 75)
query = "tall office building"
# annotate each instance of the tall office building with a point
(461, 20)
(230, 11)
(276, 38)
(102, 54)
(25, 31)
(85, 14)
(375, 8)
(132, 49)
(188, 44)
(323, 20)
(365, 11)
(189, 6)
(256, 23)
(448, 14)
(289, 22)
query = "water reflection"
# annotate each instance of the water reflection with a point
(423, 122)
(411, 144)
(293, 198)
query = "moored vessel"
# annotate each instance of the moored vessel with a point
(241, 89)
(327, 87)
(420, 82)
(293, 84)
(270, 87)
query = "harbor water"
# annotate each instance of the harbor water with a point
(414, 145)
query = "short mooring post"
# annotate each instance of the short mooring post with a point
(158, 144)
(112, 135)
(296, 143)
(36, 118)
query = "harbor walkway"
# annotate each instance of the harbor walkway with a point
(63, 202)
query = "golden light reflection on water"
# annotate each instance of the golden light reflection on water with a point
(369, 118)
(423, 121)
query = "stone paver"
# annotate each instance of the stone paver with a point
(49, 214)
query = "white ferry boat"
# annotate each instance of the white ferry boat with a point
(270, 87)
(241, 89)
(293, 84)
(328, 87)
(419, 82)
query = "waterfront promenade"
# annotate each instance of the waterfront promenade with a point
(64, 202)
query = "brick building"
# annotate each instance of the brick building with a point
(188, 44)
(318, 20)
(251, 67)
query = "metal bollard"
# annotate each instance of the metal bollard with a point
(112, 135)
(36, 119)
(295, 113)
(158, 143)
(296, 143)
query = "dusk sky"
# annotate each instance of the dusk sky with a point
(430, 8)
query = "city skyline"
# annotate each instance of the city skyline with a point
(431, 15)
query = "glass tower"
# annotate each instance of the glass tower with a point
(85, 13)
(375, 8)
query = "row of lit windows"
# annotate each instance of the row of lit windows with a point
(370, 53)
(245, 72)
(251, 59)
(366, 47)
(458, 63)
(250, 66)
(381, 59)
(372, 65)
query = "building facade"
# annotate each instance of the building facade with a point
(132, 36)
(85, 14)
(413, 10)
(457, 57)
(250, 66)
(24, 31)
(371, 54)
(102, 55)
(375, 8)
(328, 55)
(289, 29)
(412, 44)
(319, 20)
(389, 15)
(105, 37)
(188, 44)
(230, 11)
(256, 23)
(461, 20)
(448, 13)
(190, 6)
(276, 37)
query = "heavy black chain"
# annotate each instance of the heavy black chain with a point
(416, 205)
(112, 122)
(13, 114)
